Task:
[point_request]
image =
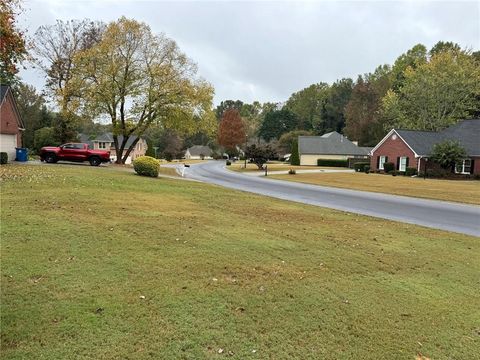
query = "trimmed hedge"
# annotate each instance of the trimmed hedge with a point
(332, 163)
(388, 167)
(360, 166)
(3, 158)
(146, 166)
(410, 171)
(366, 169)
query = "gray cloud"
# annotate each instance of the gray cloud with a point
(267, 50)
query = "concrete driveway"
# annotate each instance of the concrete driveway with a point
(442, 215)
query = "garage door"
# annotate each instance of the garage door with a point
(8, 144)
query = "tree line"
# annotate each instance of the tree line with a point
(422, 90)
(122, 77)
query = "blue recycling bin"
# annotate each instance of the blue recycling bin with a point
(22, 154)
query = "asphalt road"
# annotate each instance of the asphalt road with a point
(442, 215)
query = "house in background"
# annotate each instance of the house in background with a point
(412, 148)
(11, 124)
(197, 152)
(105, 142)
(331, 146)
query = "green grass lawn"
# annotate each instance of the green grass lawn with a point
(103, 264)
(463, 191)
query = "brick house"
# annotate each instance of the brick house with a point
(11, 124)
(412, 148)
(105, 142)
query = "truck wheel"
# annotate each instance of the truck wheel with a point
(95, 161)
(50, 158)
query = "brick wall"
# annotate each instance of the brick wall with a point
(8, 119)
(393, 148)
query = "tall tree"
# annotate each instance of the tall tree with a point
(12, 41)
(436, 94)
(33, 111)
(443, 46)
(413, 58)
(307, 105)
(364, 121)
(231, 131)
(227, 105)
(286, 140)
(276, 123)
(136, 79)
(55, 49)
(333, 110)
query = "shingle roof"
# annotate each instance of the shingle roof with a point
(106, 137)
(197, 150)
(466, 132)
(329, 144)
(420, 141)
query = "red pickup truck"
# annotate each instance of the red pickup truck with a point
(74, 152)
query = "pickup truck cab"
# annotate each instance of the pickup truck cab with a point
(78, 152)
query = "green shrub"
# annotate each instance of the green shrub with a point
(146, 166)
(410, 171)
(394, 172)
(360, 166)
(332, 163)
(437, 173)
(168, 156)
(292, 172)
(366, 169)
(388, 167)
(228, 163)
(295, 157)
(3, 158)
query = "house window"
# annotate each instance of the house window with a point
(381, 161)
(403, 163)
(102, 145)
(464, 167)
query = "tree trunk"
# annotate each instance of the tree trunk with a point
(130, 148)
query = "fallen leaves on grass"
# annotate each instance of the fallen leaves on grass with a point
(17, 173)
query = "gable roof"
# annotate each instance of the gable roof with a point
(4, 90)
(331, 143)
(421, 142)
(197, 150)
(466, 132)
(106, 137)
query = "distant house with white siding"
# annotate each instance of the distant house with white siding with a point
(331, 146)
(197, 152)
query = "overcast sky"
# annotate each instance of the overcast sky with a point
(266, 50)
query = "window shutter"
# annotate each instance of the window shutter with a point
(386, 158)
(378, 162)
(472, 164)
(398, 162)
(406, 164)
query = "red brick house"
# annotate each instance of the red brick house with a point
(411, 148)
(11, 124)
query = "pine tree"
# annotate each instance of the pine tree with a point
(295, 157)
